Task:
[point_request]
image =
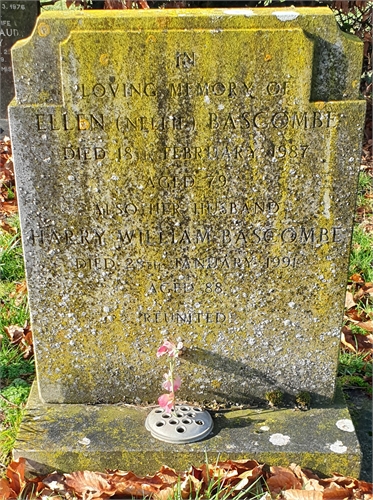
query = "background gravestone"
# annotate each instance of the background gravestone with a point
(17, 18)
(191, 174)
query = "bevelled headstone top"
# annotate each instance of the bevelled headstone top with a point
(186, 174)
(17, 19)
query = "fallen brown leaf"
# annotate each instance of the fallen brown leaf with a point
(291, 483)
(89, 485)
(349, 301)
(337, 493)
(33, 487)
(8, 202)
(282, 479)
(366, 325)
(340, 480)
(190, 487)
(309, 480)
(356, 342)
(128, 484)
(354, 315)
(339, 487)
(20, 295)
(365, 290)
(365, 487)
(253, 474)
(168, 475)
(6, 492)
(302, 495)
(16, 475)
(21, 287)
(7, 228)
(367, 228)
(166, 494)
(368, 284)
(239, 465)
(55, 482)
(357, 278)
(22, 337)
(9, 207)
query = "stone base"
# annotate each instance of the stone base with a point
(81, 437)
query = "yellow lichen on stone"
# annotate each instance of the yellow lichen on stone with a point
(189, 176)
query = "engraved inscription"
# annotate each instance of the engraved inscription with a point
(66, 122)
(224, 237)
(117, 89)
(187, 317)
(264, 120)
(176, 121)
(185, 60)
(195, 183)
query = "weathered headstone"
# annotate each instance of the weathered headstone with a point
(17, 18)
(187, 174)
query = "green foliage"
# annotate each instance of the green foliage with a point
(354, 19)
(16, 373)
(354, 364)
(12, 313)
(274, 397)
(14, 310)
(303, 400)
(12, 364)
(11, 259)
(365, 193)
(354, 381)
(354, 371)
(216, 490)
(16, 393)
(12, 399)
(361, 259)
(365, 183)
(10, 194)
(357, 329)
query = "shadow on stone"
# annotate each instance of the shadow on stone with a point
(242, 371)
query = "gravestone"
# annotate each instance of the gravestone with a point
(17, 18)
(186, 175)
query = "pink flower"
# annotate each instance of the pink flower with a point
(169, 348)
(168, 385)
(172, 382)
(166, 401)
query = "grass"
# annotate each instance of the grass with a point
(11, 258)
(361, 258)
(355, 369)
(216, 490)
(16, 373)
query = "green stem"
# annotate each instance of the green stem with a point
(172, 366)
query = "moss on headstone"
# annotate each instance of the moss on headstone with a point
(186, 173)
(69, 437)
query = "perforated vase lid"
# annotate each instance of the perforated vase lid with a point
(185, 424)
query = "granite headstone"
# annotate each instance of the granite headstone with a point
(187, 175)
